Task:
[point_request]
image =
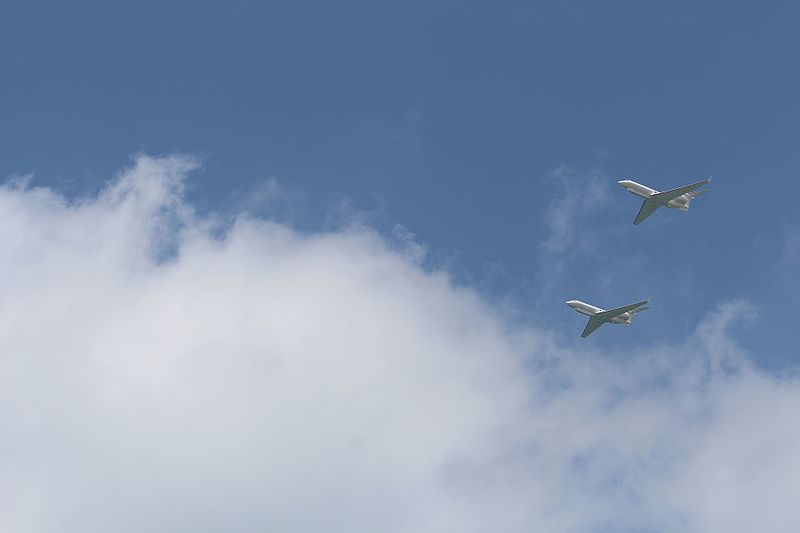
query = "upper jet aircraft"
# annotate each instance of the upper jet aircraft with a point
(679, 198)
(598, 317)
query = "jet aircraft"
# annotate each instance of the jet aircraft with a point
(679, 198)
(598, 317)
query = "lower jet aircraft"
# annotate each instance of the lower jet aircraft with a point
(679, 198)
(598, 317)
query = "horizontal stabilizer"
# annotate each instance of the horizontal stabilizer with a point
(695, 194)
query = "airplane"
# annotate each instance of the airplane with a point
(679, 198)
(598, 317)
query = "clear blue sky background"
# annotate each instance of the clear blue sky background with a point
(450, 118)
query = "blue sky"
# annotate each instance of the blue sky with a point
(452, 119)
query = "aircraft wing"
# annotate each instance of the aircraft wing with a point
(611, 313)
(666, 196)
(592, 325)
(648, 207)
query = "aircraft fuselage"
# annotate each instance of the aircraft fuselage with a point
(590, 310)
(643, 191)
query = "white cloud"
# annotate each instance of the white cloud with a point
(156, 378)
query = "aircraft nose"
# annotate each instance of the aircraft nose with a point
(622, 183)
(570, 302)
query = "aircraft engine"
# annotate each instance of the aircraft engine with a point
(680, 201)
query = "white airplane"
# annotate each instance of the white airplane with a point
(679, 198)
(598, 317)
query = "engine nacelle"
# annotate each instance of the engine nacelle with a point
(624, 318)
(681, 202)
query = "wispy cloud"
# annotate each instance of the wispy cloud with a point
(576, 233)
(268, 380)
(578, 198)
(789, 259)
